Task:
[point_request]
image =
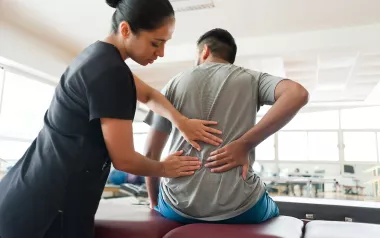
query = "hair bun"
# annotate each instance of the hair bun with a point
(113, 3)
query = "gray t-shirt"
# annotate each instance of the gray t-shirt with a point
(230, 95)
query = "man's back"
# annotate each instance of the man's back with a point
(231, 96)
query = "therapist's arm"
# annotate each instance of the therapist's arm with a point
(290, 97)
(191, 129)
(118, 138)
(154, 145)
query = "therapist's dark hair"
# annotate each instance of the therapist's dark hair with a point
(140, 14)
(221, 43)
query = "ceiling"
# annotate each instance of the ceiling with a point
(84, 21)
(330, 47)
(338, 76)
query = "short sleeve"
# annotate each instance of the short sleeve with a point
(112, 95)
(267, 86)
(158, 122)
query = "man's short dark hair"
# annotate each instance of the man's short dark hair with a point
(221, 44)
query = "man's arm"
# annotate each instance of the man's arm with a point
(290, 97)
(154, 145)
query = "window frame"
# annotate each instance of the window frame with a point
(33, 76)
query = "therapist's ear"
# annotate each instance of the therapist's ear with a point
(124, 29)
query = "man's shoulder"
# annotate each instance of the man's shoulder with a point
(180, 77)
(253, 73)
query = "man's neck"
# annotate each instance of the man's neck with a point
(216, 60)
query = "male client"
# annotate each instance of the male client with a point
(225, 189)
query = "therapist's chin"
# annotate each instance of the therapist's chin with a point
(144, 62)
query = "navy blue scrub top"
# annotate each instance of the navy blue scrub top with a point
(63, 173)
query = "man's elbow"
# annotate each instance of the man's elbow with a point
(301, 94)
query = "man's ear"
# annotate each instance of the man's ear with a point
(205, 52)
(125, 29)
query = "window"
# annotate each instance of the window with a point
(378, 148)
(140, 130)
(139, 142)
(361, 118)
(24, 104)
(266, 150)
(314, 120)
(292, 146)
(323, 146)
(140, 127)
(166, 150)
(11, 151)
(360, 146)
(1, 84)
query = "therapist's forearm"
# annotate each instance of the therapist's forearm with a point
(140, 165)
(157, 102)
(160, 105)
(282, 111)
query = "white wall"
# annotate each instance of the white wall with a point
(17, 46)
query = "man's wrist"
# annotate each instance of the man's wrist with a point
(246, 144)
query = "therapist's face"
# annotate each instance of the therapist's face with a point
(145, 47)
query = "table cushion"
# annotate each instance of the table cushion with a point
(127, 221)
(336, 229)
(329, 209)
(279, 227)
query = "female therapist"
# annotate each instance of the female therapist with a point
(55, 188)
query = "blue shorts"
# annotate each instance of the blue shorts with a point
(263, 210)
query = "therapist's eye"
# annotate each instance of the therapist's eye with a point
(154, 44)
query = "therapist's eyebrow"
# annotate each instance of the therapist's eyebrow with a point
(163, 40)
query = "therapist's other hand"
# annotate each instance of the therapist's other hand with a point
(228, 157)
(198, 130)
(176, 165)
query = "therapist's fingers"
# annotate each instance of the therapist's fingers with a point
(205, 122)
(189, 168)
(189, 160)
(212, 130)
(182, 174)
(195, 145)
(209, 141)
(212, 137)
(177, 153)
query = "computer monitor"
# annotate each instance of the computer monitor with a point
(348, 169)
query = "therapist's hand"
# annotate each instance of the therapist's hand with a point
(176, 165)
(230, 156)
(197, 130)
